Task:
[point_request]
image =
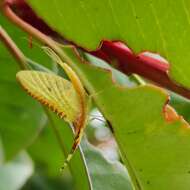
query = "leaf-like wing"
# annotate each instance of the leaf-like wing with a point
(51, 90)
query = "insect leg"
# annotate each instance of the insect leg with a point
(75, 145)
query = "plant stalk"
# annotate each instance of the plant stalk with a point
(13, 49)
(148, 67)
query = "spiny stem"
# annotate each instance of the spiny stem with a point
(12, 47)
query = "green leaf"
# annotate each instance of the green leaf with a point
(104, 174)
(19, 124)
(46, 143)
(160, 26)
(15, 173)
(117, 76)
(100, 169)
(181, 105)
(155, 152)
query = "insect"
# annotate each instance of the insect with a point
(67, 98)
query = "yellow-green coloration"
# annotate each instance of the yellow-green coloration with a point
(51, 90)
(67, 98)
(76, 84)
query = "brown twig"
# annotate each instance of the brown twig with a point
(14, 50)
(34, 32)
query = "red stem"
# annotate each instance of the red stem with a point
(150, 68)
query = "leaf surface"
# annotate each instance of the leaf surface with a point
(160, 26)
(105, 173)
(155, 151)
(19, 123)
(46, 143)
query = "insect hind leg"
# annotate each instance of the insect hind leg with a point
(75, 145)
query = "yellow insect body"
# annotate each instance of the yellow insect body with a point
(68, 99)
(51, 90)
